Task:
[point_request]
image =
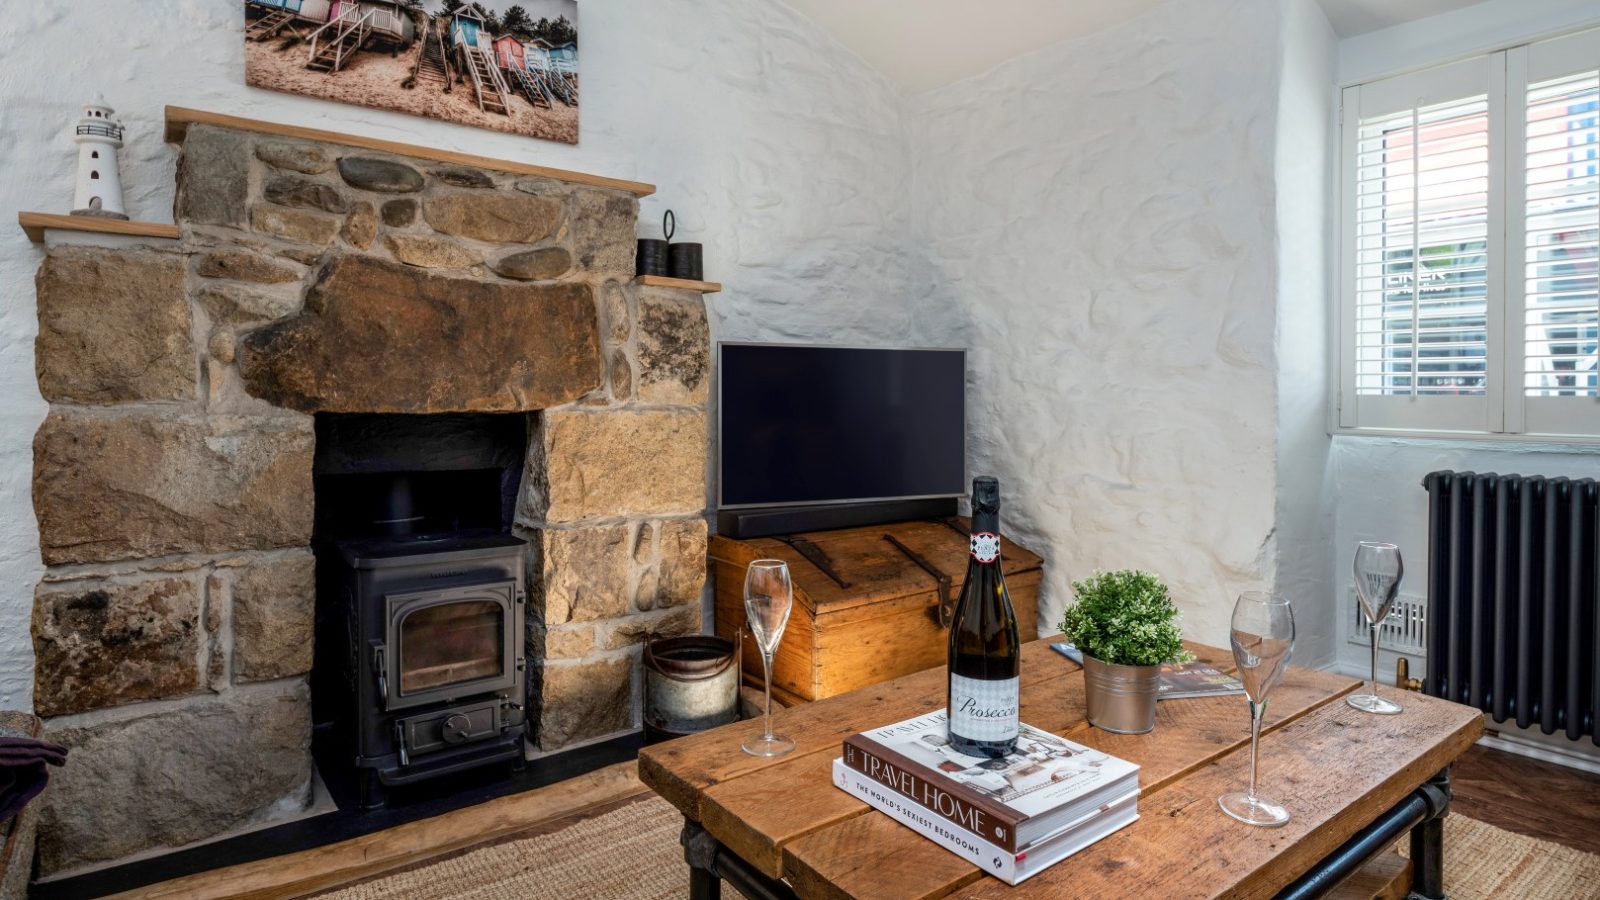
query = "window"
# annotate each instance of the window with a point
(1470, 239)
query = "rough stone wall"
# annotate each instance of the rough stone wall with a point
(613, 501)
(1101, 211)
(172, 476)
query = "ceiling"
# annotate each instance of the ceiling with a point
(924, 44)
(1353, 17)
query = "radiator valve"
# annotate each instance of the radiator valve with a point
(1402, 675)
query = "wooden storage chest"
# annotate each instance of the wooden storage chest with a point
(865, 610)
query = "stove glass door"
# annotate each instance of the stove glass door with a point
(452, 643)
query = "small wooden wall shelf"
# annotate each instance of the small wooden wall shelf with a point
(35, 223)
(661, 281)
(179, 119)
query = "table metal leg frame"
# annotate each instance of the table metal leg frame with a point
(710, 864)
(1423, 812)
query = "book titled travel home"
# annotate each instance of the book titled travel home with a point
(1179, 681)
(1006, 865)
(1011, 802)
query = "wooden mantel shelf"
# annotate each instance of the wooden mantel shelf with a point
(661, 281)
(179, 119)
(35, 223)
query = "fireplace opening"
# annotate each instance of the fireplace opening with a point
(420, 668)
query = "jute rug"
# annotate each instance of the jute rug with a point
(1482, 861)
(632, 853)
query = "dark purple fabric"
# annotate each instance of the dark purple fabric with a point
(24, 772)
(25, 750)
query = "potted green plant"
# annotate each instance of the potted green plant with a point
(1126, 626)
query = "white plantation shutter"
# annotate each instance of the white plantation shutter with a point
(1422, 231)
(1554, 234)
(1421, 254)
(1469, 268)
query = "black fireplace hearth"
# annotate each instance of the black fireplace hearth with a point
(420, 665)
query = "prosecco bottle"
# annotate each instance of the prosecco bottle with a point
(984, 647)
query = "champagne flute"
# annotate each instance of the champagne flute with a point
(1262, 639)
(768, 597)
(1378, 573)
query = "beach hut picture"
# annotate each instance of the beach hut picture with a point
(266, 19)
(474, 48)
(548, 73)
(354, 25)
(508, 52)
(517, 63)
(527, 71)
(392, 24)
(564, 61)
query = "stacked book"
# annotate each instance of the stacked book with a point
(1011, 817)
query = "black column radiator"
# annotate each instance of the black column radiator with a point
(1513, 574)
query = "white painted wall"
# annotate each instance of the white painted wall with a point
(1304, 171)
(777, 148)
(1102, 212)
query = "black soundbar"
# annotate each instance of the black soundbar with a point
(766, 521)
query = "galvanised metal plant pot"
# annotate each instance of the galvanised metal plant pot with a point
(1121, 699)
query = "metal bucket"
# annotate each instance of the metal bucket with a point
(1121, 699)
(691, 683)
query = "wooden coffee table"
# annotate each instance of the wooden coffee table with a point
(778, 828)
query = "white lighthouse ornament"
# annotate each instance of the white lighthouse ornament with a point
(99, 189)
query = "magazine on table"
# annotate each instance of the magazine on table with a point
(1179, 681)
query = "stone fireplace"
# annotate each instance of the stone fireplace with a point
(174, 482)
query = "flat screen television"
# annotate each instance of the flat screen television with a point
(811, 427)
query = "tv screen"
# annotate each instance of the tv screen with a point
(810, 425)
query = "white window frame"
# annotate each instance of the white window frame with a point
(1503, 412)
(1542, 417)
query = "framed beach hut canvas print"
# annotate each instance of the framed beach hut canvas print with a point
(511, 67)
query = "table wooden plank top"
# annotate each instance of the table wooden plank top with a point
(1335, 768)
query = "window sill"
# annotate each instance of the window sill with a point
(1581, 443)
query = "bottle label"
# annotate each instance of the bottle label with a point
(985, 547)
(984, 710)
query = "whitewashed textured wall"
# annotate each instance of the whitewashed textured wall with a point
(1102, 211)
(1303, 173)
(778, 149)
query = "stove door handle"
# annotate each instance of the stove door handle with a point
(380, 666)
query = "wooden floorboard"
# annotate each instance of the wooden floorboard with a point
(312, 871)
(1528, 796)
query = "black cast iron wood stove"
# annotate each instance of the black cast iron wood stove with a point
(420, 668)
